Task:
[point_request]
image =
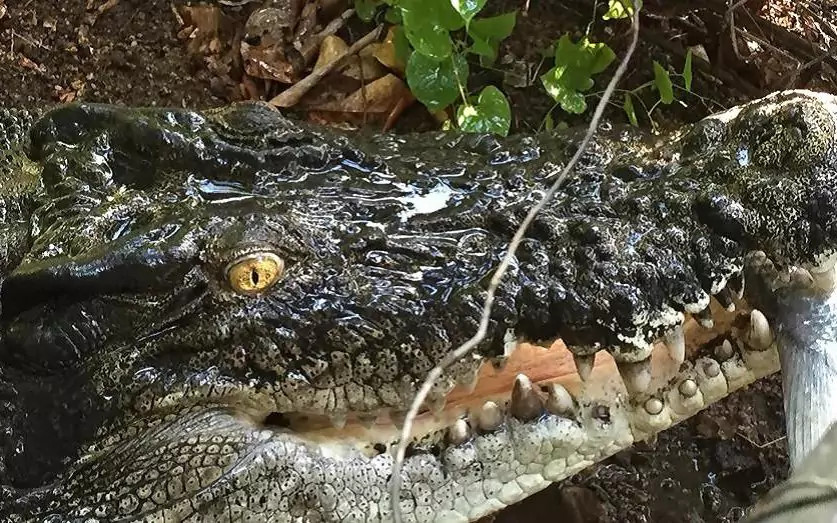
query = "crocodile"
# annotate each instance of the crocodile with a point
(222, 315)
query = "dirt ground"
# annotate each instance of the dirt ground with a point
(709, 469)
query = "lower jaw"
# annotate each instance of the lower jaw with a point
(494, 446)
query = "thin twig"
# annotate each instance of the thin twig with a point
(312, 44)
(496, 279)
(291, 96)
(731, 21)
(763, 445)
(810, 63)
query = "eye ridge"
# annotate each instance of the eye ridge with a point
(254, 272)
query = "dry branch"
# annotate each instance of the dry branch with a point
(292, 95)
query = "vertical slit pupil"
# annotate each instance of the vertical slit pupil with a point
(254, 275)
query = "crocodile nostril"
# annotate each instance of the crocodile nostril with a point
(278, 420)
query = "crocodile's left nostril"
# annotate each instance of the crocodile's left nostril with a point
(277, 420)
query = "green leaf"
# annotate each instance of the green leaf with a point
(436, 83)
(582, 60)
(365, 9)
(427, 24)
(549, 123)
(575, 64)
(468, 9)
(444, 13)
(401, 44)
(487, 33)
(427, 37)
(491, 114)
(629, 109)
(663, 82)
(570, 99)
(617, 9)
(687, 71)
(393, 16)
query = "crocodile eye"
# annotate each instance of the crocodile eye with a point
(255, 272)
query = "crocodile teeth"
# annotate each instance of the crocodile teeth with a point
(712, 368)
(736, 284)
(367, 420)
(558, 401)
(637, 376)
(825, 280)
(688, 388)
(801, 277)
(458, 432)
(397, 418)
(470, 384)
(489, 417)
(584, 365)
(704, 318)
(436, 405)
(653, 406)
(338, 420)
(525, 402)
(676, 343)
(724, 351)
(724, 297)
(759, 335)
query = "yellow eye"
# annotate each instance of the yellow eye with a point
(255, 273)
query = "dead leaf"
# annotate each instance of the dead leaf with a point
(332, 48)
(283, 64)
(206, 21)
(364, 68)
(374, 102)
(378, 97)
(267, 49)
(274, 24)
(29, 64)
(385, 53)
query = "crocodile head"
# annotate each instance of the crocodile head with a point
(222, 315)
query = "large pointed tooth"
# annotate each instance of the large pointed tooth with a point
(801, 276)
(469, 382)
(637, 376)
(435, 404)
(688, 388)
(397, 418)
(724, 297)
(367, 420)
(711, 368)
(338, 420)
(736, 284)
(559, 401)
(584, 365)
(825, 280)
(676, 343)
(489, 416)
(724, 351)
(459, 432)
(704, 318)
(759, 336)
(525, 401)
(653, 406)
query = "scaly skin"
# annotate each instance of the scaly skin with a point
(140, 383)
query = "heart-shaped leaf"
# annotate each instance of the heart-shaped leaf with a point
(491, 113)
(436, 83)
